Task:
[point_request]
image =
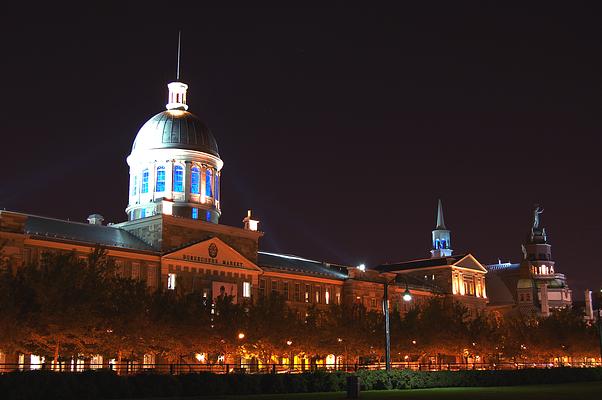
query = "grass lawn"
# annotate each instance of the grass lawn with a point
(584, 390)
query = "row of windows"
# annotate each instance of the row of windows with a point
(301, 293)
(178, 181)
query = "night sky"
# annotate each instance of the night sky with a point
(340, 127)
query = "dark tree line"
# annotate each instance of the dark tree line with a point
(71, 307)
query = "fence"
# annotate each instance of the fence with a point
(132, 368)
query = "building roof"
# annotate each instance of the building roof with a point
(299, 265)
(175, 129)
(80, 232)
(422, 263)
(501, 267)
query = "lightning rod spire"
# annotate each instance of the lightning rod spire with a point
(179, 53)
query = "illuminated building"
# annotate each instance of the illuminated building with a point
(172, 239)
(461, 277)
(533, 286)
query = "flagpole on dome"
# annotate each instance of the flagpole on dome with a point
(177, 89)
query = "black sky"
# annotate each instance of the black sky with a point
(340, 127)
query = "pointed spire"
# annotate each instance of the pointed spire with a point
(440, 221)
(179, 53)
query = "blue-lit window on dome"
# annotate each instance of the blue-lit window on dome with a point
(195, 213)
(160, 185)
(208, 216)
(195, 179)
(443, 244)
(208, 180)
(178, 179)
(143, 213)
(145, 181)
(135, 186)
(437, 244)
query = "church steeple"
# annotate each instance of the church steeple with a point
(441, 236)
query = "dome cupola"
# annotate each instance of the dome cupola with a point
(175, 167)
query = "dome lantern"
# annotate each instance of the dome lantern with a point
(177, 96)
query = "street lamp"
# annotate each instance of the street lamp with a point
(407, 296)
(241, 335)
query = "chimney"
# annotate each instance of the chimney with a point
(250, 223)
(545, 305)
(95, 219)
(589, 309)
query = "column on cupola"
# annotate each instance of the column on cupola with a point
(218, 189)
(169, 165)
(187, 174)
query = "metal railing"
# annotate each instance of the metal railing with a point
(132, 368)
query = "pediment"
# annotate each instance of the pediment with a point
(213, 252)
(469, 262)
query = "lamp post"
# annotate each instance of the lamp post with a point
(600, 332)
(407, 296)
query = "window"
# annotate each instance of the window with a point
(178, 179)
(318, 295)
(297, 292)
(326, 296)
(443, 244)
(143, 213)
(171, 281)
(285, 290)
(338, 297)
(208, 216)
(261, 287)
(195, 178)
(160, 184)
(195, 213)
(437, 244)
(208, 179)
(145, 181)
(373, 302)
(135, 186)
(274, 288)
(307, 293)
(246, 289)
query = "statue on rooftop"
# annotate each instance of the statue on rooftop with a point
(536, 213)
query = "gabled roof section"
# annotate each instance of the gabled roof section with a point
(212, 251)
(300, 266)
(418, 264)
(469, 262)
(462, 260)
(61, 230)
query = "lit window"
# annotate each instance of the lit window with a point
(160, 186)
(208, 180)
(171, 281)
(208, 216)
(145, 181)
(285, 290)
(195, 178)
(195, 213)
(246, 289)
(178, 179)
(443, 244)
(135, 186)
(437, 244)
(318, 295)
(261, 287)
(307, 293)
(143, 213)
(327, 296)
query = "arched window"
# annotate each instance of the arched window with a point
(135, 186)
(160, 185)
(145, 181)
(437, 244)
(208, 191)
(443, 244)
(195, 213)
(195, 180)
(178, 179)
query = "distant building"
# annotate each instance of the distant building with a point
(461, 277)
(533, 286)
